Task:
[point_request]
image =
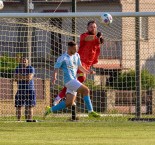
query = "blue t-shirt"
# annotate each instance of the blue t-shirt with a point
(69, 65)
(23, 84)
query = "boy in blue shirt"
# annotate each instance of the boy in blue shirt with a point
(70, 62)
(25, 95)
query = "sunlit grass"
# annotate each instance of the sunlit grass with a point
(77, 133)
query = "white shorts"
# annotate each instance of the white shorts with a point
(72, 87)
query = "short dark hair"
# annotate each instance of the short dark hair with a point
(23, 58)
(91, 22)
(71, 43)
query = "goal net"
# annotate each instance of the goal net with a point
(123, 85)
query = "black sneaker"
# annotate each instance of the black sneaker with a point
(31, 120)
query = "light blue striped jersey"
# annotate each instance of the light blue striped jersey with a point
(69, 65)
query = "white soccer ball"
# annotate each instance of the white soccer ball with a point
(1, 5)
(106, 19)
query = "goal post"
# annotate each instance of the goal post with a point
(42, 37)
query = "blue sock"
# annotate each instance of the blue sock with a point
(60, 106)
(88, 103)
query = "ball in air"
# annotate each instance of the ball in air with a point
(106, 18)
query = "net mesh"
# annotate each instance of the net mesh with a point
(113, 89)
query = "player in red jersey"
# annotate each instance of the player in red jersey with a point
(89, 51)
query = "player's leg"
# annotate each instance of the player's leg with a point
(75, 85)
(18, 112)
(85, 91)
(86, 96)
(28, 112)
(18, 104)
(30, 103)
(60, 96)
(70, 98)
(62, 105)
(72, 86)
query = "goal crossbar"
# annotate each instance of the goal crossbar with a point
(76, 14)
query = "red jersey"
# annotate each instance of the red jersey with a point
(89, 50)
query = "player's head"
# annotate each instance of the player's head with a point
(72, 47)
(24, 61)
(92, 27)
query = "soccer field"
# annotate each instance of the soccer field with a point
(77, 133)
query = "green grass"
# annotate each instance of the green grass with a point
(77, 133)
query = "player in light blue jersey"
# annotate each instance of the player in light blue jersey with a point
(70, 62)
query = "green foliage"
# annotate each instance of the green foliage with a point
(92, 86)
(127, 80)
(57, 87)
(147, 80)
(7, 66)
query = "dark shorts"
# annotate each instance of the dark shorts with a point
(25, 98)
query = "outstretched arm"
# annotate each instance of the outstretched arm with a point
(93, 37)
(81, 68)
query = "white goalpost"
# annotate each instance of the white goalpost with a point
(42, 37)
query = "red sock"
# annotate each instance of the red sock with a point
(63, 92)
(81, 79)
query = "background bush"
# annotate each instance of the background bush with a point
(7, 66)
(92, 86)
(127, 81)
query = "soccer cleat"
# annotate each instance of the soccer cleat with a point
(47, 111)
(94, 114)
